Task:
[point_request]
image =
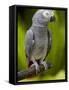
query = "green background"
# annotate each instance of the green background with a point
(57, 53)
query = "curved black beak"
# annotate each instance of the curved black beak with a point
(52, 19)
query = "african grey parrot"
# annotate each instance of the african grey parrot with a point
(38, 38)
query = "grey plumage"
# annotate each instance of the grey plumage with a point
(38, 38)
(49, 42)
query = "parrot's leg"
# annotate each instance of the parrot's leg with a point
(44, 64)
(36, 66)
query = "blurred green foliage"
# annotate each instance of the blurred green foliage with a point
(57, 53)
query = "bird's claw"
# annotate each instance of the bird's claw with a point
(44, 64)
(36, 67)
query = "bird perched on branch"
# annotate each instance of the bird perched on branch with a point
(38, 39)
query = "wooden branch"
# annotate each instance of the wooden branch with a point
(31, 72)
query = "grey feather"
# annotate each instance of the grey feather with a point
(49, 42)
(29, 42)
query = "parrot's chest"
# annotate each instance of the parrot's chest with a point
(40, 47)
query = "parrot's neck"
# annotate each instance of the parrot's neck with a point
(44, 25)
(40, 28)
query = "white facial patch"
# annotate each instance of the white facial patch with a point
(45, 13)
(48, 12)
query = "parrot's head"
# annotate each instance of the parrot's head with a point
(43, 17)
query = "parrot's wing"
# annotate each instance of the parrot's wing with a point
(29, 42)
(49, 43)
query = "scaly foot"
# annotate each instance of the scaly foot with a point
(36, 67)
(44, 64)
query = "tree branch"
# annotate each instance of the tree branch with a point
(31, 72)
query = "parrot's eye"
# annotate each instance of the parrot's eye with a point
(47, 13)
